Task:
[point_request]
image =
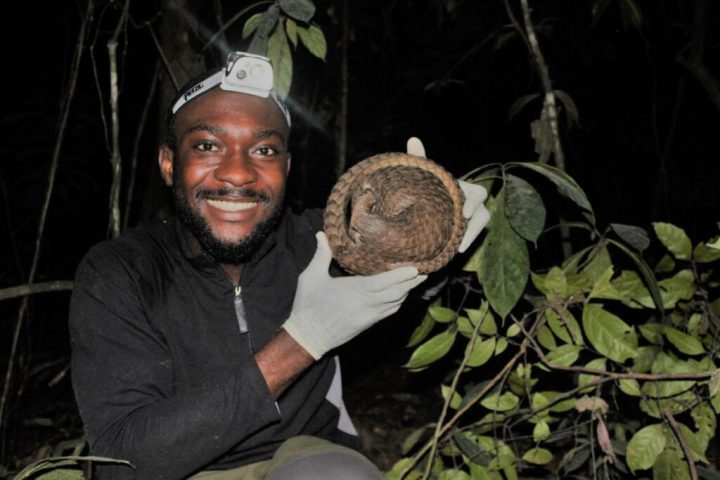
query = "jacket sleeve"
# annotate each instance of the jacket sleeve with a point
(123, 382)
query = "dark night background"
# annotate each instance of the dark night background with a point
(645, 148)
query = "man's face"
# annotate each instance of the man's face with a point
(228, 171)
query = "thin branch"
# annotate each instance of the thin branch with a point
(683, 444)
(64, 115)
(32, 289)
(115, 159)
(550, 104)
(462, 411)
(453, 387)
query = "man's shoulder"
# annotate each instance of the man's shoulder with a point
(138, 247)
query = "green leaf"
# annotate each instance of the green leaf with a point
(630, 386)
(538, 456)
(471, 449)
(314, 40)
(555, 284)
(465, 327)
(603, 288)
(519, 104)
(479, 352)
(670, 466)
(484, 318)
(645, 271)
(281, 59)
(400, 466)
(453, 474)
(566, 329)
(567, 186)
(715, 402)
(680, 286)
(473, 263)
(609, 335)
(524, 208)
(302, 10)
(266, 24)
(599, 263)
(546, 396)
(645, 359)
(634, 236)
(586, 378)
(571, 111)
(421, 331)
(675, 240)
(432, 350)
(687, 344)
(705, 421)
(455, 398)
(664, 364)
(500, 403)
(665, 265)
(62, 474)
(564, 356)
(504, 265)
(714, 243)
(653, 333)
(697, 444)
(441, 314)
(706, 253)
(412, 439)
(291, 29)
(574, 459)
(541, 431)
(645, 446)
(545, 338)
(513, 330)
(500, 346)
(251, 24)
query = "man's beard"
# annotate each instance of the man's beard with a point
(223, 251)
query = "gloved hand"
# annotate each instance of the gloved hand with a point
(474, 206)
(329, 311)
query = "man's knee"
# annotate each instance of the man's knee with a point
(327, 466)
(311, 458)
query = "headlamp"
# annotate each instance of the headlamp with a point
(243, 73)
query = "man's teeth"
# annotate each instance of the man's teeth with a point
(230, 206)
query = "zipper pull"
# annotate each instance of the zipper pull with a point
(240, 315)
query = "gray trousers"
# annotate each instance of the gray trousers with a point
(303, 458)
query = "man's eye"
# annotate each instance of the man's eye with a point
(266, 151)
(206, 146)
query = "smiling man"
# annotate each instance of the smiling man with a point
(202, 344)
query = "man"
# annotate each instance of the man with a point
(200, 343)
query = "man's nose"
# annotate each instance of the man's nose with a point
(236, 168)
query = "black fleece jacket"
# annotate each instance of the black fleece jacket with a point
(163, 366)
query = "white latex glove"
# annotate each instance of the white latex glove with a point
(329, 311)
(474, 206)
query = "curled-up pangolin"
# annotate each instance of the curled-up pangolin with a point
(394, 209)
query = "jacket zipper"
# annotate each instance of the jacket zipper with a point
(240, 313)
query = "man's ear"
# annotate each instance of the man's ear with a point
(289, 161)
(166, 159)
